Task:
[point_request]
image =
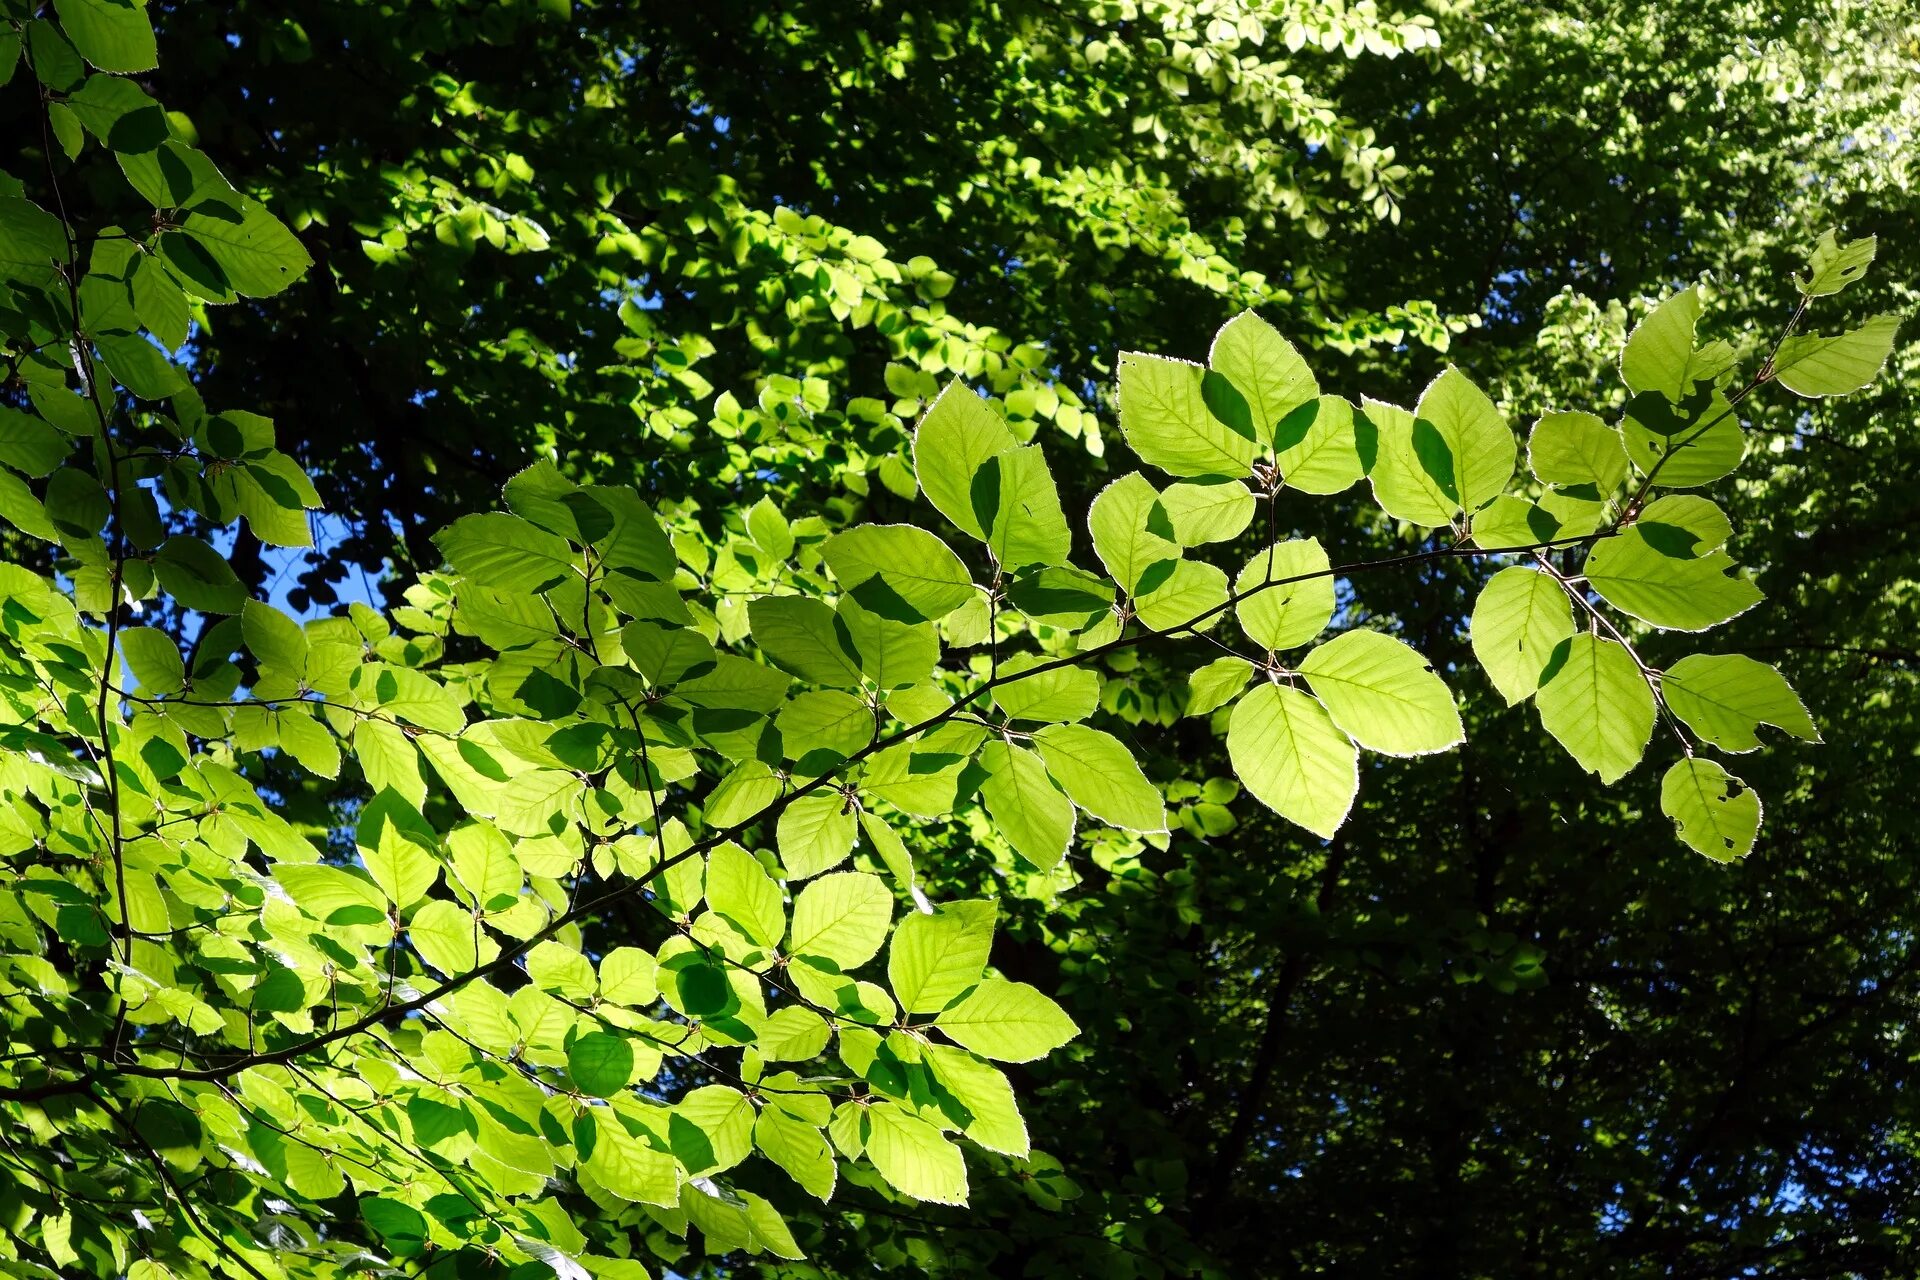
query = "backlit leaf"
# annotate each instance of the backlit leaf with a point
(1595, 701)
(1289, 753)
(1715, 813)
(1167, 418)
(1383, 694)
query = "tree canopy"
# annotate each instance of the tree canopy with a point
(803, 639)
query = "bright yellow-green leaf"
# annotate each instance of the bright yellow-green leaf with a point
(1178, 420)
(1383, 694)
(841, 917)
(1285, 594)
(1288, 752)
(1264, 368)
(935, 958)
(1715, 813)
(1522, 615)
(1596, 702)
(1007, 1021)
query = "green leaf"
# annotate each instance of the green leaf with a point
(255, 254)
(1213, 511)
(559, 970)
(1677, 593)
(1684, 525)
(627, 977)
(484, 866)
(449, 938)
(1216, 684)
(1660, 355)
(957, 435)
(1061, 596)
(1835, 264)
(1318, 447)
(1462, 441)
(992, 1114)
(56, 1237)
(1265, 369)
(272, 494)
(1298, 604)
(1017, 504)
(1026, 807)
(19, 508)
(909, 563)
(804, 636)
(1521, 617)
(634, 547)
(1194, 593)
(541, 495)
(666, 655)
(1401, 484)
(1594, 700)
(1715, 813)
(1509, 522)
(396, 844)
(887, 846)
(274, 638)
(628, 1167)
(78, 504)
(497, 550)
(849, 999)
(1700, 440)
(1133, 534)
(173, 175)
(936, 958)
(29, 445)
(600, 1064)
(818, 730)
(913, 1156)
(197, 576)
(120, 114)
(1725, 697)
(1577, 448)
(31, 241)
(309, 742)
(1061, 693)
(114, 35)
(389, 760)
(1289, 753)
(740, 891)
(333, 895)
(155, 660)
(1007, 1021)
(770, 530)
(54, 62)
(815, 832)
(1168, 419)
(893, 654)
(798, 1148)
(1813, 367)
(140, 366)
(843, 918)
(792, 1034)
(1101, 776)
(923, 776)
(402, 1227)
(538, 802)
(734, 684)
(1383, 694)
(66, 129)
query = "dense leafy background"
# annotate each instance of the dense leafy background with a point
(1502, 1023)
